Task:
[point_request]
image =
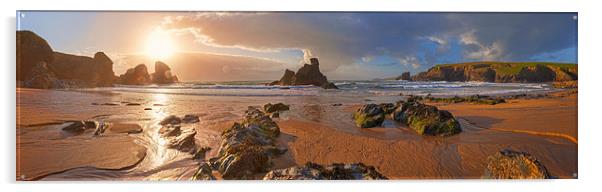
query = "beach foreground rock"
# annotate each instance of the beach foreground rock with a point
(271, 108)
(337, 171)
(369, 115)
(508, 164)
(427, 119)
(247, 147)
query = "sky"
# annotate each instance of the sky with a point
(228, 46)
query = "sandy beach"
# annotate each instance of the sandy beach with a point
(314, 130)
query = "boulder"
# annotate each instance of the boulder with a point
(336, 171)
(270, 108)
(308, 74)
(247, 147)
(31, 51)
(190, 119)
(136, 76)
(427, 119)
(163, 74)
(369, 115)
(508, 164)
(171, 119)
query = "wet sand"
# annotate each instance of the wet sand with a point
(313, 130)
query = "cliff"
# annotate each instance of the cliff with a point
(309, 74)
(501, 72)
(38, 66)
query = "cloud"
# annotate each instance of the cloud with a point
(343, 39)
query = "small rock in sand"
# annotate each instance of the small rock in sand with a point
(336, 171)
(190, 119)
(427, 119)
(148, 109)
(172, 119)
(270, 108)
(508, 164)
(369, 115)
(132, 104)
(337, 104)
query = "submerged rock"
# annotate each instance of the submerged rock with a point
(190, 119)
(270, 108)
(427, 119)
(172, 119)
(508, 164)
(247, 147)
(337, 171)
(369, 115)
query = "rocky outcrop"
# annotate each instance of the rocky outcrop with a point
(369, 115)
(31, 51)
(426, 119)
(162, 74)
(247, 147)
(135, 76)
(404, 76)
(175, 136)
(337, 171)
(309, 74)
(508, 164)
(501, 72)
(271, 108)
(66, 70)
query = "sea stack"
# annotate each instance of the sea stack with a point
(309, 74)
(163, 74)
(139, 75)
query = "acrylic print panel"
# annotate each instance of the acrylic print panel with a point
(295, 95)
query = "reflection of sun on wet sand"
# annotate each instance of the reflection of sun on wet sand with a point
(315, 129)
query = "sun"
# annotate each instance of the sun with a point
(159, 44)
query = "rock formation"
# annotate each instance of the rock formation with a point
(404, 76)
(508, 164)
(163, 74)
(369, 115)
(67, 70)
(135, 76)
(247, 147)
(426, 119)
(501, 72)
(271, 108)
(309, 74)
(337, 171)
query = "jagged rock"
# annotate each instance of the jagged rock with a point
(190, 119)
(31, 51)
(337, 171)
(427, 119)
(172, 119)
(369, 115)
(270, 108)
(275, 115)
(136, 76)
(508, 164)
(404, 76)
(309, 74)
(203, 173)
(163, 74)
(170, 130)
(247, 147)
(501, 72)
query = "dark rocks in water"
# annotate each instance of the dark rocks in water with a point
(148, 109)
(501, 72)
(31, 51)
(190, 119)
(369, 115)
(247, 147)
(337, 104)
(172, 119)
(508, 164)
(136, 76)
(133, 104)
(308, 74)
(170, 130)
(163, 74)
(337, 171)
(427, 119)
(404, 76)
(271, 108)
(203, 173)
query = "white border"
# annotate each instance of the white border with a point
(589, 120)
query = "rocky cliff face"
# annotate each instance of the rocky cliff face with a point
(66, 70)
(500, 72)
(309, 74)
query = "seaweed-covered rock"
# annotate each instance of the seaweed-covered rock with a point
(508, 164)
(337, 171)
(270, 108)
(247, 147)
(427, 119)
(388, 107)
(369, 115)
